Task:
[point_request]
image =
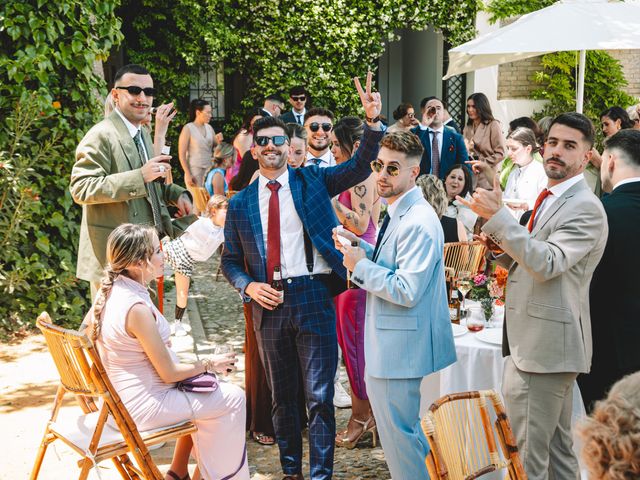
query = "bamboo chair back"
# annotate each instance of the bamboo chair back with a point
(200, 198)
(464, 256)
(463, 440)
(82, 373)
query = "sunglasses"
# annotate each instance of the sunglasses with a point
(300, 98)
(134, 90)
(393, 170)
(277, 140)
(315, 126)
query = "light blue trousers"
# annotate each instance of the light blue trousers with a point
(396, 407)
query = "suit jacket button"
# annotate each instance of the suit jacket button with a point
(132, 194)
(289, 280)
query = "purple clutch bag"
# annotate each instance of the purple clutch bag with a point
(205, 382)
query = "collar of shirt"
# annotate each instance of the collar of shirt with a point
(439, 130)
(391, 210)
(625, 181)
(133, 130)
(297, 114)
(326, 158)
(283, 180)
(559, 189)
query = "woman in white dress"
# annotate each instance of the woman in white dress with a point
(132, 338)
(457, 181)
(527, 179)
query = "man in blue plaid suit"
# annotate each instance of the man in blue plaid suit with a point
(299, 327)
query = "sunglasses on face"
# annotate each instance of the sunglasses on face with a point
(393, 170)
(135, 90)
(299, 98)
(411, 115)
(315, 126)
(277, 140)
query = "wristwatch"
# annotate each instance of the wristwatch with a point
(372, 120)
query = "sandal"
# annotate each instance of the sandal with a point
(174, 475)
(263, 439)
(369, 425)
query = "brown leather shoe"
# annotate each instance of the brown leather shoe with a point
(297, 476)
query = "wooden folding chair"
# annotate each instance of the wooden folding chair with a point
(200, 199)
(92, 432)
(463, 440)
(464, 256)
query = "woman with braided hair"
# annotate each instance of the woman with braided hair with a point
(132, 338)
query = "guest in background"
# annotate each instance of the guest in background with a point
(243, 140)
(483, 137)
(457, 182)
(298, 145)
(615, 291)
(298, 99)
(613, 120)
(449, 121)
(634, 116)
(527, 179)
(215, 181)
(547, 329)
(611, 434)
(245, 174)
(442, 146)
(434, 193)
(319, 123)
(507, 164)
(358, 210)
(405, 118)
(195, 144)
(273, 106)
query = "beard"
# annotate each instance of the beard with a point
(552, 171)
(272, 159)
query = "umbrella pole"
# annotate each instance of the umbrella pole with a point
(580, 90)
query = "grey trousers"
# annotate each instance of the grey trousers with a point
(539, 409)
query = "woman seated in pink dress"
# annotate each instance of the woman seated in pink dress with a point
(132, 337)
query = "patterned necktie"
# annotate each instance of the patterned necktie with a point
(273, 230)
(299, 119)
(151, 187)
(383, 229)
(435, 154)
(543, 194)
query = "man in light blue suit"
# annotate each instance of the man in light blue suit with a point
(407, 331)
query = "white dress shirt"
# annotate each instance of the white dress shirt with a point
(557, 191)
(326, 160)
(292, 257)
(299, 116)
(202, 238)
(525, 183)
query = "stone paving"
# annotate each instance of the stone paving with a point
(215, 313)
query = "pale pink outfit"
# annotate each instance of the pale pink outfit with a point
(219, 443)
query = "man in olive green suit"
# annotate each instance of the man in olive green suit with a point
(113, 177)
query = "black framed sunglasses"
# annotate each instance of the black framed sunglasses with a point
(298, 98)
(315, 126)
(135, 90)
(393, 170)
(277, 140)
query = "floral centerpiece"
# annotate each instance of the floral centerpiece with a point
(488, 289)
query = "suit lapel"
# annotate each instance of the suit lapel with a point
(126, 141)
(253, 208)
(551, 211)
(445, 156)
(405, 204)
(296, 193)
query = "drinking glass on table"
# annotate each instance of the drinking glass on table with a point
(475, 319)
(465, 283)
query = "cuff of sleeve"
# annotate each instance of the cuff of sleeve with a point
(495, 225)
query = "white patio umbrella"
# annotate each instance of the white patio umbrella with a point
(567, 25)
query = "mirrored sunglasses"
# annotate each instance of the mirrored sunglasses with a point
(315, 126)
(277, 140)
(393, 170)
(135, 90)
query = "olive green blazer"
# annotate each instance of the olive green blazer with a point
(107, 182)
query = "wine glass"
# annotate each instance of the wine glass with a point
(221, 349)
(465, 283)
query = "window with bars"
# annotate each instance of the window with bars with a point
(209, 85)
(454, 91)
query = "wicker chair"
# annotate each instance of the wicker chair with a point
(87, 432)
(200, 198)
(464, 256)
(463, 440)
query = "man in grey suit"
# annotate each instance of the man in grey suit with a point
(115, 172)
(407, 329)
(547, 324)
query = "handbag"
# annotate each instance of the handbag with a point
(205, 382)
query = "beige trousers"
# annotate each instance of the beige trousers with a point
(539, 409)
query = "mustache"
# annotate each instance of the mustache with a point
(555, 159)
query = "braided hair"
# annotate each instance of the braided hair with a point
(126, 245)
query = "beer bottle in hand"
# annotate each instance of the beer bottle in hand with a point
(277, 283)
(350, 284)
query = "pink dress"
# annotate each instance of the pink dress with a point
(350, 314)
(219, 443)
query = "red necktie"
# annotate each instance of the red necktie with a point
(543, 194)
(273, 231)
